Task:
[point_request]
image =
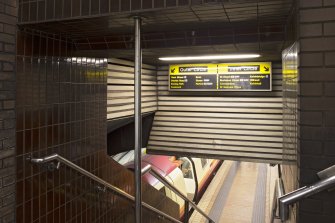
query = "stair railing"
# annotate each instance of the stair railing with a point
(59, 159)
(188, 202)
(327, 182)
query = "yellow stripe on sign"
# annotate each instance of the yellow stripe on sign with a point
(179, 69)
(245, 68)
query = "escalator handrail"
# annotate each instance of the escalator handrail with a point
(118, 191)
(149, 169)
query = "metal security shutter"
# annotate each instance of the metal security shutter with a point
(120, 88)
(228, 125)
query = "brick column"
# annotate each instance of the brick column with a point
(8, 19)
(316, 24)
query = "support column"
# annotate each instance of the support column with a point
(8, 21)
(138, 121)
(316, 108)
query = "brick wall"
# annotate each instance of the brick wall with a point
(317, 104)
(8, 18)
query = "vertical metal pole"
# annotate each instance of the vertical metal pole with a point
(138, 121)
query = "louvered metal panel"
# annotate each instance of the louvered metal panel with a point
(120, 89)
(228, 125)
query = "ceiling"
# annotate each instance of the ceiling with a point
(214, 27)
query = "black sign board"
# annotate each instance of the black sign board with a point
(252, 76)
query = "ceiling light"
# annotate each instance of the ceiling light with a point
(211, 57)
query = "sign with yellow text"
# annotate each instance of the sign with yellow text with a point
(193, 77)
(250, 76)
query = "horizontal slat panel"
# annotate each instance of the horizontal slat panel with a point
(216, 120)
(216, 142)
(217, 136)
(127, 113)
(219, 150)
(221, 104)
(128, 100)
(129, 94)
(277, 159)
(129, 88)
(219, 126)
(120, 88)
(217, 131)
(130, 82)
(220, 99)
(231, 125)
(130, 111)
(129, 63)
(122, 75)
(129, 106)
(114, 67)
(203, 144)
(220, 115)
(215, 109)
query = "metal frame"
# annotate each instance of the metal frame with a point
(121, 193)
(188, 202)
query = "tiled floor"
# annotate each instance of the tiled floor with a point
(238, 204)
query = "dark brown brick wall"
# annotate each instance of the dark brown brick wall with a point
(317, 104)
(8, 19)
(61, 108)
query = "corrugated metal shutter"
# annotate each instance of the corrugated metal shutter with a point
(120, 88)
(227, 125)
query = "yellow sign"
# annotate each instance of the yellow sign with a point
(193, 69)
(245, 68)
(246, 76)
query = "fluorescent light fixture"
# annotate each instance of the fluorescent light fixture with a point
(211, 57)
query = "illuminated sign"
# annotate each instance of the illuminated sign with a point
(250, 76)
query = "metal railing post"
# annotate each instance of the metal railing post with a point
(138, 120)
(186, 212)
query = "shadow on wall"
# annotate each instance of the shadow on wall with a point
(121, 133)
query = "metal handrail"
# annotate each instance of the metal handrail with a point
(304, 192)
(60, 159)
(149, 169)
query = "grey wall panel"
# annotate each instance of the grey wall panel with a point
(228, 125)
(120, 89)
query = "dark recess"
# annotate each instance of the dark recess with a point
(120, 137)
